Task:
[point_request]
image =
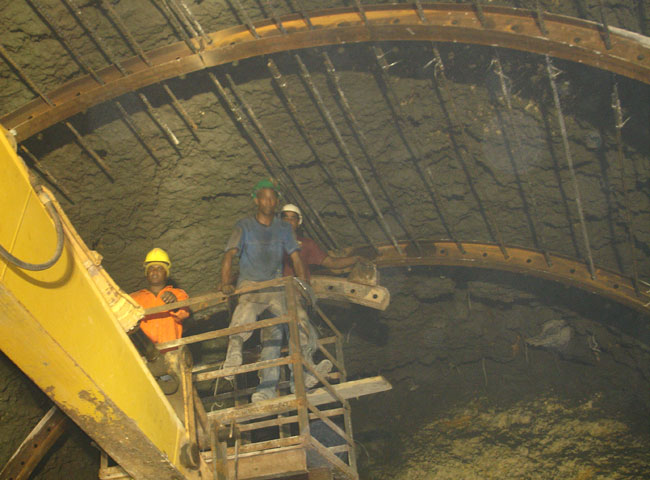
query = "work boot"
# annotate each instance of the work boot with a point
(233, 355)
(311, 381)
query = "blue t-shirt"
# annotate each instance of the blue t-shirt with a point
(261, 248)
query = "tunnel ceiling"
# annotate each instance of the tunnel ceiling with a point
(397, 145)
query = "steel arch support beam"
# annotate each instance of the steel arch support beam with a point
(522, 260)
(568, 38)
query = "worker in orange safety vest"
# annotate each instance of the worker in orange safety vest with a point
(164, 326)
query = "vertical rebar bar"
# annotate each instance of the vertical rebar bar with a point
(552, 73)
(540, 17)
(239, 118)
(364, 144)
(171, 18)
(536, 228)
(605, 25)
(136, 131)
(362, 12)
(247, 19)
(303, 13)
(479, 13)
(65, 40)
(24, 77)
(138, 50)
(457, 124)
(195, 22)
(413, 148)
(282, 84)
(180, 15)
(99, 41)
(46, 174)
(309, 211)
(627, 218)
(347, 155)
(90, 151)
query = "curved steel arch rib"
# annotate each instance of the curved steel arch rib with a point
(521, 260)
(566, 37)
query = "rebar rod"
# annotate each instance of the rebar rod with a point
(603, 17)
(420, 10)
(239, 118)
(171, 18)
(310, 211)
(552, 72)
(479, 13)
(442, 208)
(362, 12)
(124, 31)
(95, 37)
(24, 77)
(303, 13)
(540, 17)
(65, 40)
(457, 124)
(363, 143)
(180, 15)
(100, 43)
(627, 218)
(179, 108)
(347, 155)
(276, 17)
(156, 118)
(138, 50)
(46, 174)
(536, 230)
(90, 151)
(413, 148)
(282, 84)
(247, 19)
(136, 131)
(195, 22)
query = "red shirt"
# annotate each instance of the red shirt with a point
(310, 254)
(164, 326)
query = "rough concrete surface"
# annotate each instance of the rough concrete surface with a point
(453, 341)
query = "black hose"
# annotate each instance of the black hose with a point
(59, 243)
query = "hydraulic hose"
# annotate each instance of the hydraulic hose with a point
(49, 206)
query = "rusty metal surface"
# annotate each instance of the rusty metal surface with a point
(568, 38)
(526, 261)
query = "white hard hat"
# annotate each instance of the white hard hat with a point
(290, 207)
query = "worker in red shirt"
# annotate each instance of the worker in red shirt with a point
(310, 252)
(164, 326)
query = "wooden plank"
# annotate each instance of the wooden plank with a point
(330, 424)
(251, 367)
(36, 445)
(266, 445)
(333, 460)
(319, 396)
(212, 298)
(335, 412)
(267, 464)
(224, 332)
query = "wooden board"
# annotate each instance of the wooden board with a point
(319, 396)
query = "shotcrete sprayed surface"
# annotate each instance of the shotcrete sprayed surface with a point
(471, 398)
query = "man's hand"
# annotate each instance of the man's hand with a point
(228, 289)
(169, 297)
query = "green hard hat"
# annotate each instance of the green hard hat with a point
(266, 183)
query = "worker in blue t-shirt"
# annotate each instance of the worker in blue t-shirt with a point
(260, 242)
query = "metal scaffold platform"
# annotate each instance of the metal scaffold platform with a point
(301, 432)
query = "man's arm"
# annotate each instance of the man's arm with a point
(298, 267)
(226, 271)
(340, 262)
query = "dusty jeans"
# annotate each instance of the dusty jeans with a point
(272, 341)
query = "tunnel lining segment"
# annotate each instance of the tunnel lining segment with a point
(567, 38)
(525, 261)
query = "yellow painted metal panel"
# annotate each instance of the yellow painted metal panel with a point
(72, 344)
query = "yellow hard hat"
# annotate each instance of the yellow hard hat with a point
(158, 255)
